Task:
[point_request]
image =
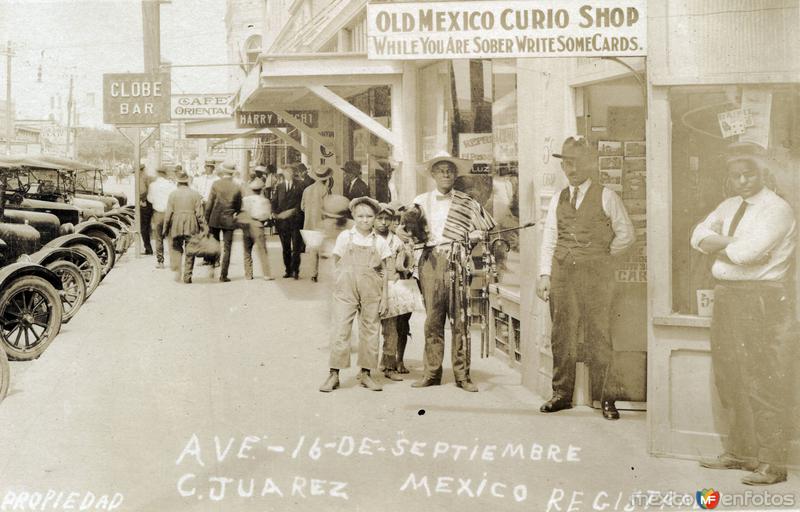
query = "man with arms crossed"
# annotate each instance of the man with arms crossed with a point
(753, 340)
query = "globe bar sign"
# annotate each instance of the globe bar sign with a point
(136, 98)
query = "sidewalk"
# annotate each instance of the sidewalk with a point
(168, 394)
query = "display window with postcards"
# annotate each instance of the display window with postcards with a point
(705, 121)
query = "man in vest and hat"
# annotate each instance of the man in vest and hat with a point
(224, 204)
(752, 236)
(585, 228)
(451, 215)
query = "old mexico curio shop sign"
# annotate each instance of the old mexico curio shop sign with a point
(503, 29)
(136, 98)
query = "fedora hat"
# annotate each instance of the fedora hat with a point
(574, 147)
(335, 206)
(260, 168)
(321, 173)
(375, 205)
(227, 169)
(182, 177)
(351, 167)
(463, 166)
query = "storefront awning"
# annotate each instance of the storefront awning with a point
(318, 81)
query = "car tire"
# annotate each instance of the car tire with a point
(90, 266)
(5, 375)
(73, 292)
(30, 307)
(107, 254)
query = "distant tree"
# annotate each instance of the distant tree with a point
(102, 146)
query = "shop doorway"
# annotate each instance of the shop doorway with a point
(611, 114)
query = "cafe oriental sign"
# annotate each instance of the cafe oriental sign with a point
(136, 98)
(506, 29)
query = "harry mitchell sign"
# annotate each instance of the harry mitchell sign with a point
(506, 29)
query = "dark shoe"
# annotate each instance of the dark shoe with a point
(467, 385)
(556, 404)
(224, 280)
(331, 383)
(426, 382)
(610, 411)
(313, 279)
(367, 382)
(392, 375)
(287, 275)
(401, 368)
(187, 280)
(148, 252)
(766, 474)
(296, 276)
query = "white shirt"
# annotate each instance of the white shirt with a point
(203, 183)
(436, 207)
(158, 193)
(621, 224)
(352, 234)
(763, 242)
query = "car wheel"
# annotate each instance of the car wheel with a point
(5, 375)
(106, 251)
(30, 317)
(73, 292)
(89, 265)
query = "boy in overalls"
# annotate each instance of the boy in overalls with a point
(360, 257)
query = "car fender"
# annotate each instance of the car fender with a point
(92, 225)
(16, 270)
(47, 255)
(75, 239)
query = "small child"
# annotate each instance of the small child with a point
(398, 263)
(360, 257)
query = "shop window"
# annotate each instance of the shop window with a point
(704, 122)
(469, 109)
(365, 147)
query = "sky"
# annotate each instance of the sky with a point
(87, 38)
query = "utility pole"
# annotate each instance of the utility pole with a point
(9, 53)
(69, 114)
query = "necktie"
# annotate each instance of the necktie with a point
(574, 200)
(288, 186)
(737, 217)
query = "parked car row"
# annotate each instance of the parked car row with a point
(55, 249)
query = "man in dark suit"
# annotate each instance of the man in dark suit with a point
(145, 208)
(301, 173)
(224, 202)
(286, 208)
(354, 186)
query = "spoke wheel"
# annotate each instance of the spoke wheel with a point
(89, 265)
(5, 375)
(30, 317)
(106, 251)
(73, 293)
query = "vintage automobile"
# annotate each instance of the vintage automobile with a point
(51, 191)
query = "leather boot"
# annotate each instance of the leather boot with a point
(766, 474)
(331, 383)
(369, 383)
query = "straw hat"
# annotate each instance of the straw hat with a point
(463, 166)
(256, 184)
(182, 177)
(321, 173)
(227, 169)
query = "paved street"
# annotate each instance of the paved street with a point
(153, 389)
